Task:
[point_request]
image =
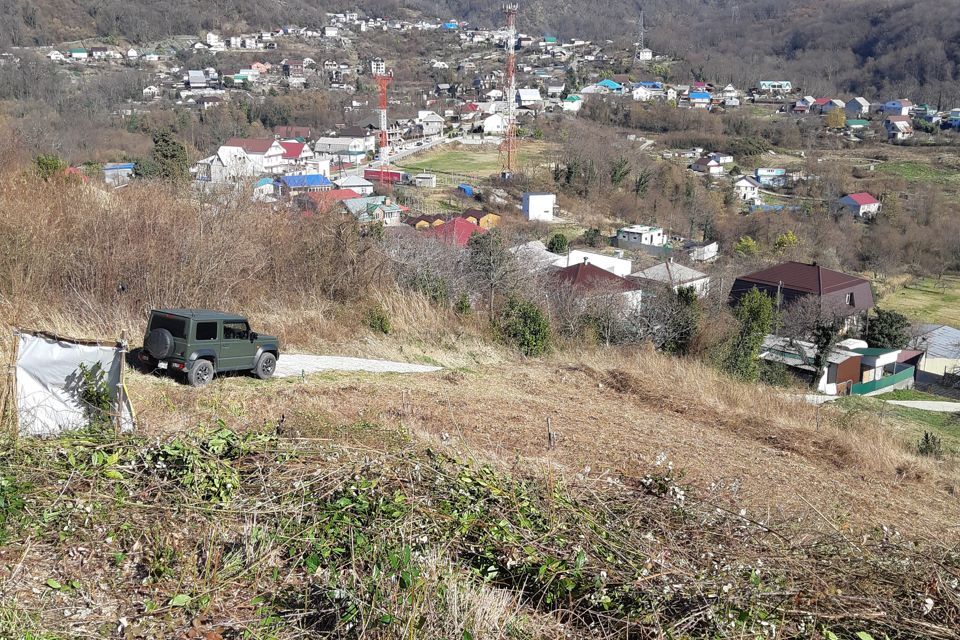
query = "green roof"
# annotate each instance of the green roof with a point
(858, 123)
(78, 50)
(572, 98)
(550, 39)
(874, 351)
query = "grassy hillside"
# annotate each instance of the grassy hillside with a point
(355, 505)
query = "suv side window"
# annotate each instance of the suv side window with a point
(206, 331)
(236, 330)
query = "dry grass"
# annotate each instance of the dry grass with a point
(614, 413)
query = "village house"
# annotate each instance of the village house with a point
(378, 67)
(708, 166)
(789, 282)
(495, 124)
(55, 56)
(227, 165)
(294, 185)
(856, 107)
(265, 154)
(529, 98)
(861, 205)
(586, 280)
(430, 123)
(572, 103)
(615, 265)
(699, 99)
(639, 235)
(676, 276)
(375, 210)
(355, 183)
(78, 53)
(898, 127)
(897, 107)
(481, 218)
(747, 189)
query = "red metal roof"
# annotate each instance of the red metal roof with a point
(863, 198)
(807, 278)
(292, 150)
(326, 199)
(590, 276)
(292, 131)
(822, 101)
(251, 145)
(456, 231)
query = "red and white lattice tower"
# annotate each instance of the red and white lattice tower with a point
(509, 146)
(382, 83)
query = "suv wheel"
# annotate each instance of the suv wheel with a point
(159, 344)
(201, 373)
(266, 366)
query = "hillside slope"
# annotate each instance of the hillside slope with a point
(888, 49)
(675, 502)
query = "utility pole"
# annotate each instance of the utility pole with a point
(510, 88)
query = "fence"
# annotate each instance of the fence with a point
(864, 388)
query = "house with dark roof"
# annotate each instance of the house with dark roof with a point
(586, 279)
(297, 184)
(861, 205)
(790, 282)
(293, 132)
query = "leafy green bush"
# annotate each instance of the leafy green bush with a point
(378, 320)
(525, 326)
(558, 243)
(462, 305)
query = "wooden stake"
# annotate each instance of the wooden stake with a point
(551, 436)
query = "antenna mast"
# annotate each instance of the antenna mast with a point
(382, 83)
(641, 32)
(510, 88)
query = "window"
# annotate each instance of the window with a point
(176, 326)
(236, 330)
(849, 299)
(206, 331)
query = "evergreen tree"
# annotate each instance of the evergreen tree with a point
(754, 316)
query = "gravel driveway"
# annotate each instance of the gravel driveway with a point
(295, 364)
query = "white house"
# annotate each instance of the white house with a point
(266, 154)
(495, 124)
(708, 166)
(539, 206)
(642, 94)
(572, 103)
(830, 105)
(56, 56)
(857, 107)
(747, 189)
(644, 55)
(228, 164)
(722, 158)
(356, 183)
(897, 107)
(617, 266)
(431, 122)
(378, 67)
(640, 234)
(530, 98)
(676, 276)
(151, 92)
(861, 205)
(132, 54)
(898, 127)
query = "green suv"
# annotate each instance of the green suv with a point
(201, 343)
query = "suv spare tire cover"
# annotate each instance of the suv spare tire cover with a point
(159, 344)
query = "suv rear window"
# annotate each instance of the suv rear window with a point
(176, 326)
(206, 331)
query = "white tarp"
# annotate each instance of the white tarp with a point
(49, 384)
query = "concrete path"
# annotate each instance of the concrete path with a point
(295, 364)
(928, 405)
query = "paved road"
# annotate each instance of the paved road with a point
(929, 405)
(295, 364)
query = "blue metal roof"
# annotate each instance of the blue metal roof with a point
(307, 181)
(610, 84)
(699, 95)
(650, 84)
(119, 166)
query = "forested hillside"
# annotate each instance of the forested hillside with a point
(875, 48)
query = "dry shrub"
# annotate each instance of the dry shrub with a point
(103, 258)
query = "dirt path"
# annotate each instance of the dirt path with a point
(928, 405)
(294, 364)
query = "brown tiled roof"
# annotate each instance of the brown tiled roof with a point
(251, 145)
(807, 278)
(589, 276)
